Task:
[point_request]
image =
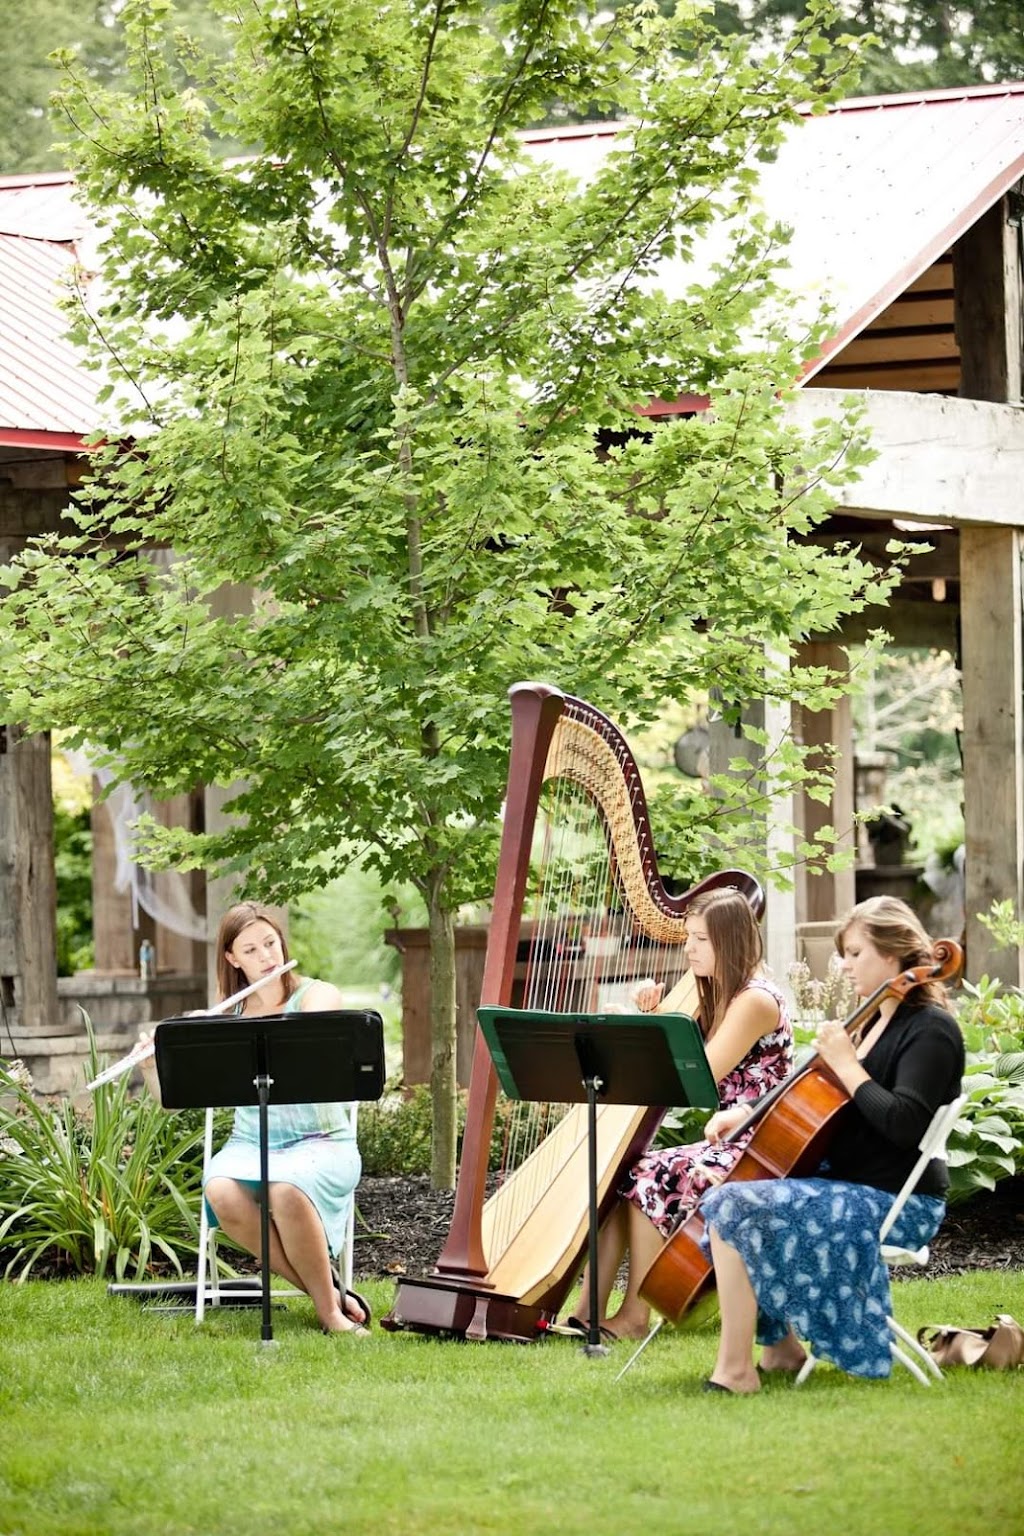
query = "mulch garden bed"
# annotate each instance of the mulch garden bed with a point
(401, 1225)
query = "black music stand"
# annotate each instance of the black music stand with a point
(284, 1058)
(633, 1058)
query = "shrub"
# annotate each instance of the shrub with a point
(394, 1132)
(72, 843)
(111, 1188)
(987, 1142)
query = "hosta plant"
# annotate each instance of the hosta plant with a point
(987, 1143)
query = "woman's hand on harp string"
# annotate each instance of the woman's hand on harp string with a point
(646, 994)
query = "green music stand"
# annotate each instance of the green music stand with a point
(621, 1058)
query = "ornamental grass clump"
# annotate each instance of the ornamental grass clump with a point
(111, 1188)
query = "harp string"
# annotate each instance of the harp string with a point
(586, 945)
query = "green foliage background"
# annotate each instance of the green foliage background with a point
(923, 43)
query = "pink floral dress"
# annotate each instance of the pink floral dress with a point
(667, 1183)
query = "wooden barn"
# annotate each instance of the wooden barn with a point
(906, 214)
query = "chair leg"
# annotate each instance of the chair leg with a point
(915, 1349)
(911, 1365)
(347, 1253)
(805, 1370)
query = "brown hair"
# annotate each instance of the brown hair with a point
(897, 933)
(736, 940)
(229, 978)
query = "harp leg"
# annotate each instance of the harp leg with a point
(477, 1330)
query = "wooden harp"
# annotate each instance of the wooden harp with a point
(580, 915)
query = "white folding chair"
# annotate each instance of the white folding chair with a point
(208, 1282)
(932, 1144)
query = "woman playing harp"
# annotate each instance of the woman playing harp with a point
(580, 917)
(749, 1045)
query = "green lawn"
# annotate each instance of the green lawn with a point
(119, 1422)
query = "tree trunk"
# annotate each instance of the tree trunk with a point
(443, 1088)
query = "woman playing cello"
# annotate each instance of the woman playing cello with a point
(799, 1258)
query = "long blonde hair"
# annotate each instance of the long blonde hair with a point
(229, 978)
(739, 950)
(897, 932)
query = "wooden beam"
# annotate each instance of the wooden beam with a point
(939, 377)
(910, 624)
(938, 277)
(937, 555)
(915, 310)
(993, 739)
(912, 347)
(951, 461)
(28, 512)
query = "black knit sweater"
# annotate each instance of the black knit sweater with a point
(916, 1065)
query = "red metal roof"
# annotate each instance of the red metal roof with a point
(47, 395)
(874, 190)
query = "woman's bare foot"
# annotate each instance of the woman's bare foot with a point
(337, 1322)
(629, 1323)
(345, 1315)
(788, 1356)
(744, 1385)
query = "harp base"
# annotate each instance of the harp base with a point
(453, 1310)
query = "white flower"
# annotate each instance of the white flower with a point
(19, 1074)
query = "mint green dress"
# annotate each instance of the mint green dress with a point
(312, 1146)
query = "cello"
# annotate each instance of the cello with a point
(792, 1126)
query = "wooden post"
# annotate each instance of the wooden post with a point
(825, 896)
(993, 739)
(28, 891)
(414, 946)
(988, 298)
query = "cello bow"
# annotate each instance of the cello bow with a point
(791, 1127)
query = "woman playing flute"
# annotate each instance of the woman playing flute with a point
(314, 1159)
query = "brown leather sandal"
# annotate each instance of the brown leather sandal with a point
(998, 1348)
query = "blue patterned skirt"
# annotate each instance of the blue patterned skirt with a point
(811, 1250)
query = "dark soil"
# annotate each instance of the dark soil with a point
(401, 1225)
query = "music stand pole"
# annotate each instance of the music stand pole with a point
(593, 1083)
(263, 1084)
